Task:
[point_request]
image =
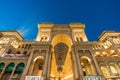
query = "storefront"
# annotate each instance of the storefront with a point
(93, 78)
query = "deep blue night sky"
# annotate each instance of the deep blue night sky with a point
(24, 15)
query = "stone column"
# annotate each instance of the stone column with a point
(96, 65)
(80, 73)
(31, 68)
(27, 66)
(74, 66)
(12, 72)
(49, 66)
(45, 66)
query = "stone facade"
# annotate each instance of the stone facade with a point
(60, 52)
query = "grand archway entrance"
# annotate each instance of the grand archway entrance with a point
(61, 68)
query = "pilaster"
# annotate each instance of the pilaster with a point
(49, 66)
(78, 66)
(80, 74)
(45, 66)
(96, 65)
(3, 71)
(12, 72)
(75, 69)
(27, 66)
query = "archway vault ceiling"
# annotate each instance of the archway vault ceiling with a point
(61, 61)
(60, 51)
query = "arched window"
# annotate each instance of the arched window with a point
(10, 67)
(77, 39)
(25, 52)
(116, 41)
(2, 66)
(19, 68)
(8, 71)
(38, 66)
(23, 45)
(87, 66)
(26, 46)
(114, 69)
(18, 52)
(18, 71)
(29, 46)
(41, 39)
(9, 51)
(81, 39)
(104, 69)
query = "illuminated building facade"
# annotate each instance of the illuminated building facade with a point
(60, 52)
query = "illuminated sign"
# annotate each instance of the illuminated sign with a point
(93, 78)
(33, 78)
